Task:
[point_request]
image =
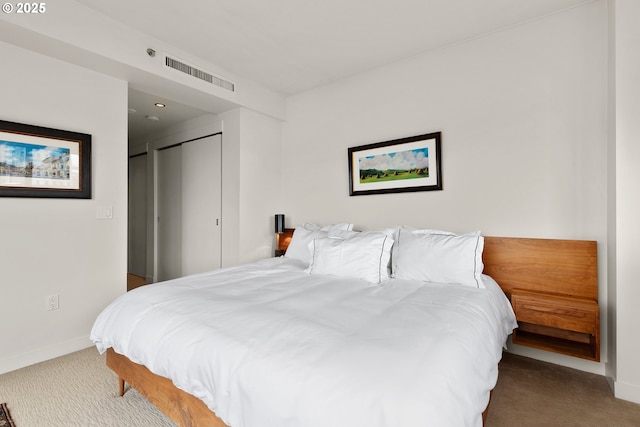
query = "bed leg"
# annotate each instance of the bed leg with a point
(486, 410)
(121, 386)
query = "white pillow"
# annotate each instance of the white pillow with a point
(329, 228)
(362, 255)
(299, 246)
(396, 238)
(439, 257)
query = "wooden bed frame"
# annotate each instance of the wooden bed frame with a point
(565, 267)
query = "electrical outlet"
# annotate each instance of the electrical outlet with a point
(53, 302)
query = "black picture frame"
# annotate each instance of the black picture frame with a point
(396, 166)
(37, 161)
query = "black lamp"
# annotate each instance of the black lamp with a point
(279, 219)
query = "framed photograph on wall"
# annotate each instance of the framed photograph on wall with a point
(401, 165)
(42, 162)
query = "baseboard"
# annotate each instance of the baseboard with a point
(625, 391)
(42, 354)
(612, 384)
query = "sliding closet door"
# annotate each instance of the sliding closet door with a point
(201, 204)
(189, 205)
(169, 213)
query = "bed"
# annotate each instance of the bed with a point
(329, 336)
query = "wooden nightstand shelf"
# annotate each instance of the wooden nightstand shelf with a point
(553, 287)
(564, 324)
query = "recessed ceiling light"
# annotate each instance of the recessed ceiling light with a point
(132, 110)
(160, 105)
(153, 118)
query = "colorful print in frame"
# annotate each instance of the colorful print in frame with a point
(42, 162)
(401, 165)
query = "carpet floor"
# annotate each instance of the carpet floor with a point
(531, 393)
(79, 390)
(76, 390)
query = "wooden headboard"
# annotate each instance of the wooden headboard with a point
(283, 239)
(565, 267)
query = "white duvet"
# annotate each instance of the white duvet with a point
(267, 345)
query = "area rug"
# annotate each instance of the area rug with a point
(5, 418)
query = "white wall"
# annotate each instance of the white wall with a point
(524, 126)
(610, 365)
(57, 246)
(251, 157)
(627, 237)
(260, 192)
(251, 171)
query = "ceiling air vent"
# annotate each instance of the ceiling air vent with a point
(199, 74)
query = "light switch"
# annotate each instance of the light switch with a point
(104, 212)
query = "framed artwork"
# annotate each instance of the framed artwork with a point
(401, 165)
(42, 162)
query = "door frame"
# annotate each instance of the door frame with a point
(152, 218)
(196, 128)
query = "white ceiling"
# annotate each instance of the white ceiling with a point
(142, 106)
(290, 46)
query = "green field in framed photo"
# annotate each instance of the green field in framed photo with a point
(43, 162)
(402, 165)
(394, 166)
